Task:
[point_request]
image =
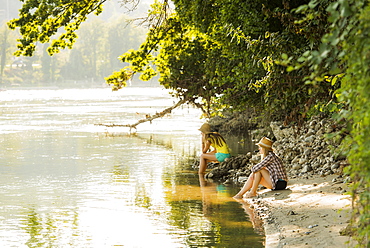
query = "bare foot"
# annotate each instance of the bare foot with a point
(237, 196)
(250, 195)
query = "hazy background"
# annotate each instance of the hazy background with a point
(102, 39)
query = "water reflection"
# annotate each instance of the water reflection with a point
(118, 184)
(45, 229)
(66, 183)
(209, 216)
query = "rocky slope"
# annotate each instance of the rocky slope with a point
(311, 149)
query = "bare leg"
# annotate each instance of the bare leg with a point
(247, 186)
(204, 159)
(256, 182)
(261, 177)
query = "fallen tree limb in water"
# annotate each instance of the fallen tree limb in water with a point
(148, 117)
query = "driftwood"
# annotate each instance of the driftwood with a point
(148, 117)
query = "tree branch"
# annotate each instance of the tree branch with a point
(148, 118)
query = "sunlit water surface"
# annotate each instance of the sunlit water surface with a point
(66, 182)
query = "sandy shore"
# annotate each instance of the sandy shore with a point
(311, 212)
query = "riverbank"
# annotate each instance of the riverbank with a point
(312, 212)
(315, 209)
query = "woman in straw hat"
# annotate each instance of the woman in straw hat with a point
(270, 172)
(221, 150)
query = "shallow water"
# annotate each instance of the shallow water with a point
(66, 182)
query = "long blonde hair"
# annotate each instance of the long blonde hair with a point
(265, 152)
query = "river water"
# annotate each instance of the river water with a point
(66, 182)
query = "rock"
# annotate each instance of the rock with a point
(242, 179)
(306, 169)
(309, 139)
(255, 159)
(302, 161)
(295, 160)
(228, 181)
(278, 131)
(312, 226)
(315, 165)
(235, 165)
(307, 152)
(347, 180)
(329, 129)
(310, 133)
(329, 172)
(319, 133)
(335, 166)
(209, 175)
(304, 151)
(291, 213)
(313, 123)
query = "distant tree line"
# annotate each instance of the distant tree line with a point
(94, 56)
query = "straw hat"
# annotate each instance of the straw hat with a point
(205, 128)
(265, 143)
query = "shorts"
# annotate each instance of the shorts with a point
(280, 184)
(222, 156)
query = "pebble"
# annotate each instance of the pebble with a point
(228, 181)
(312, 226)
(291, 212)
(242, 179)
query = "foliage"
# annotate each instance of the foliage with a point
(39, 20)
(118, 79)
(286, 60)
(182, 56)
(343, 57)
(355, 90)
(219, 54)
(229, 55)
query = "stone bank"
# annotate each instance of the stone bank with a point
(312, 149)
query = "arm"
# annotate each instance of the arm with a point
(262, 164)
(205, 144)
